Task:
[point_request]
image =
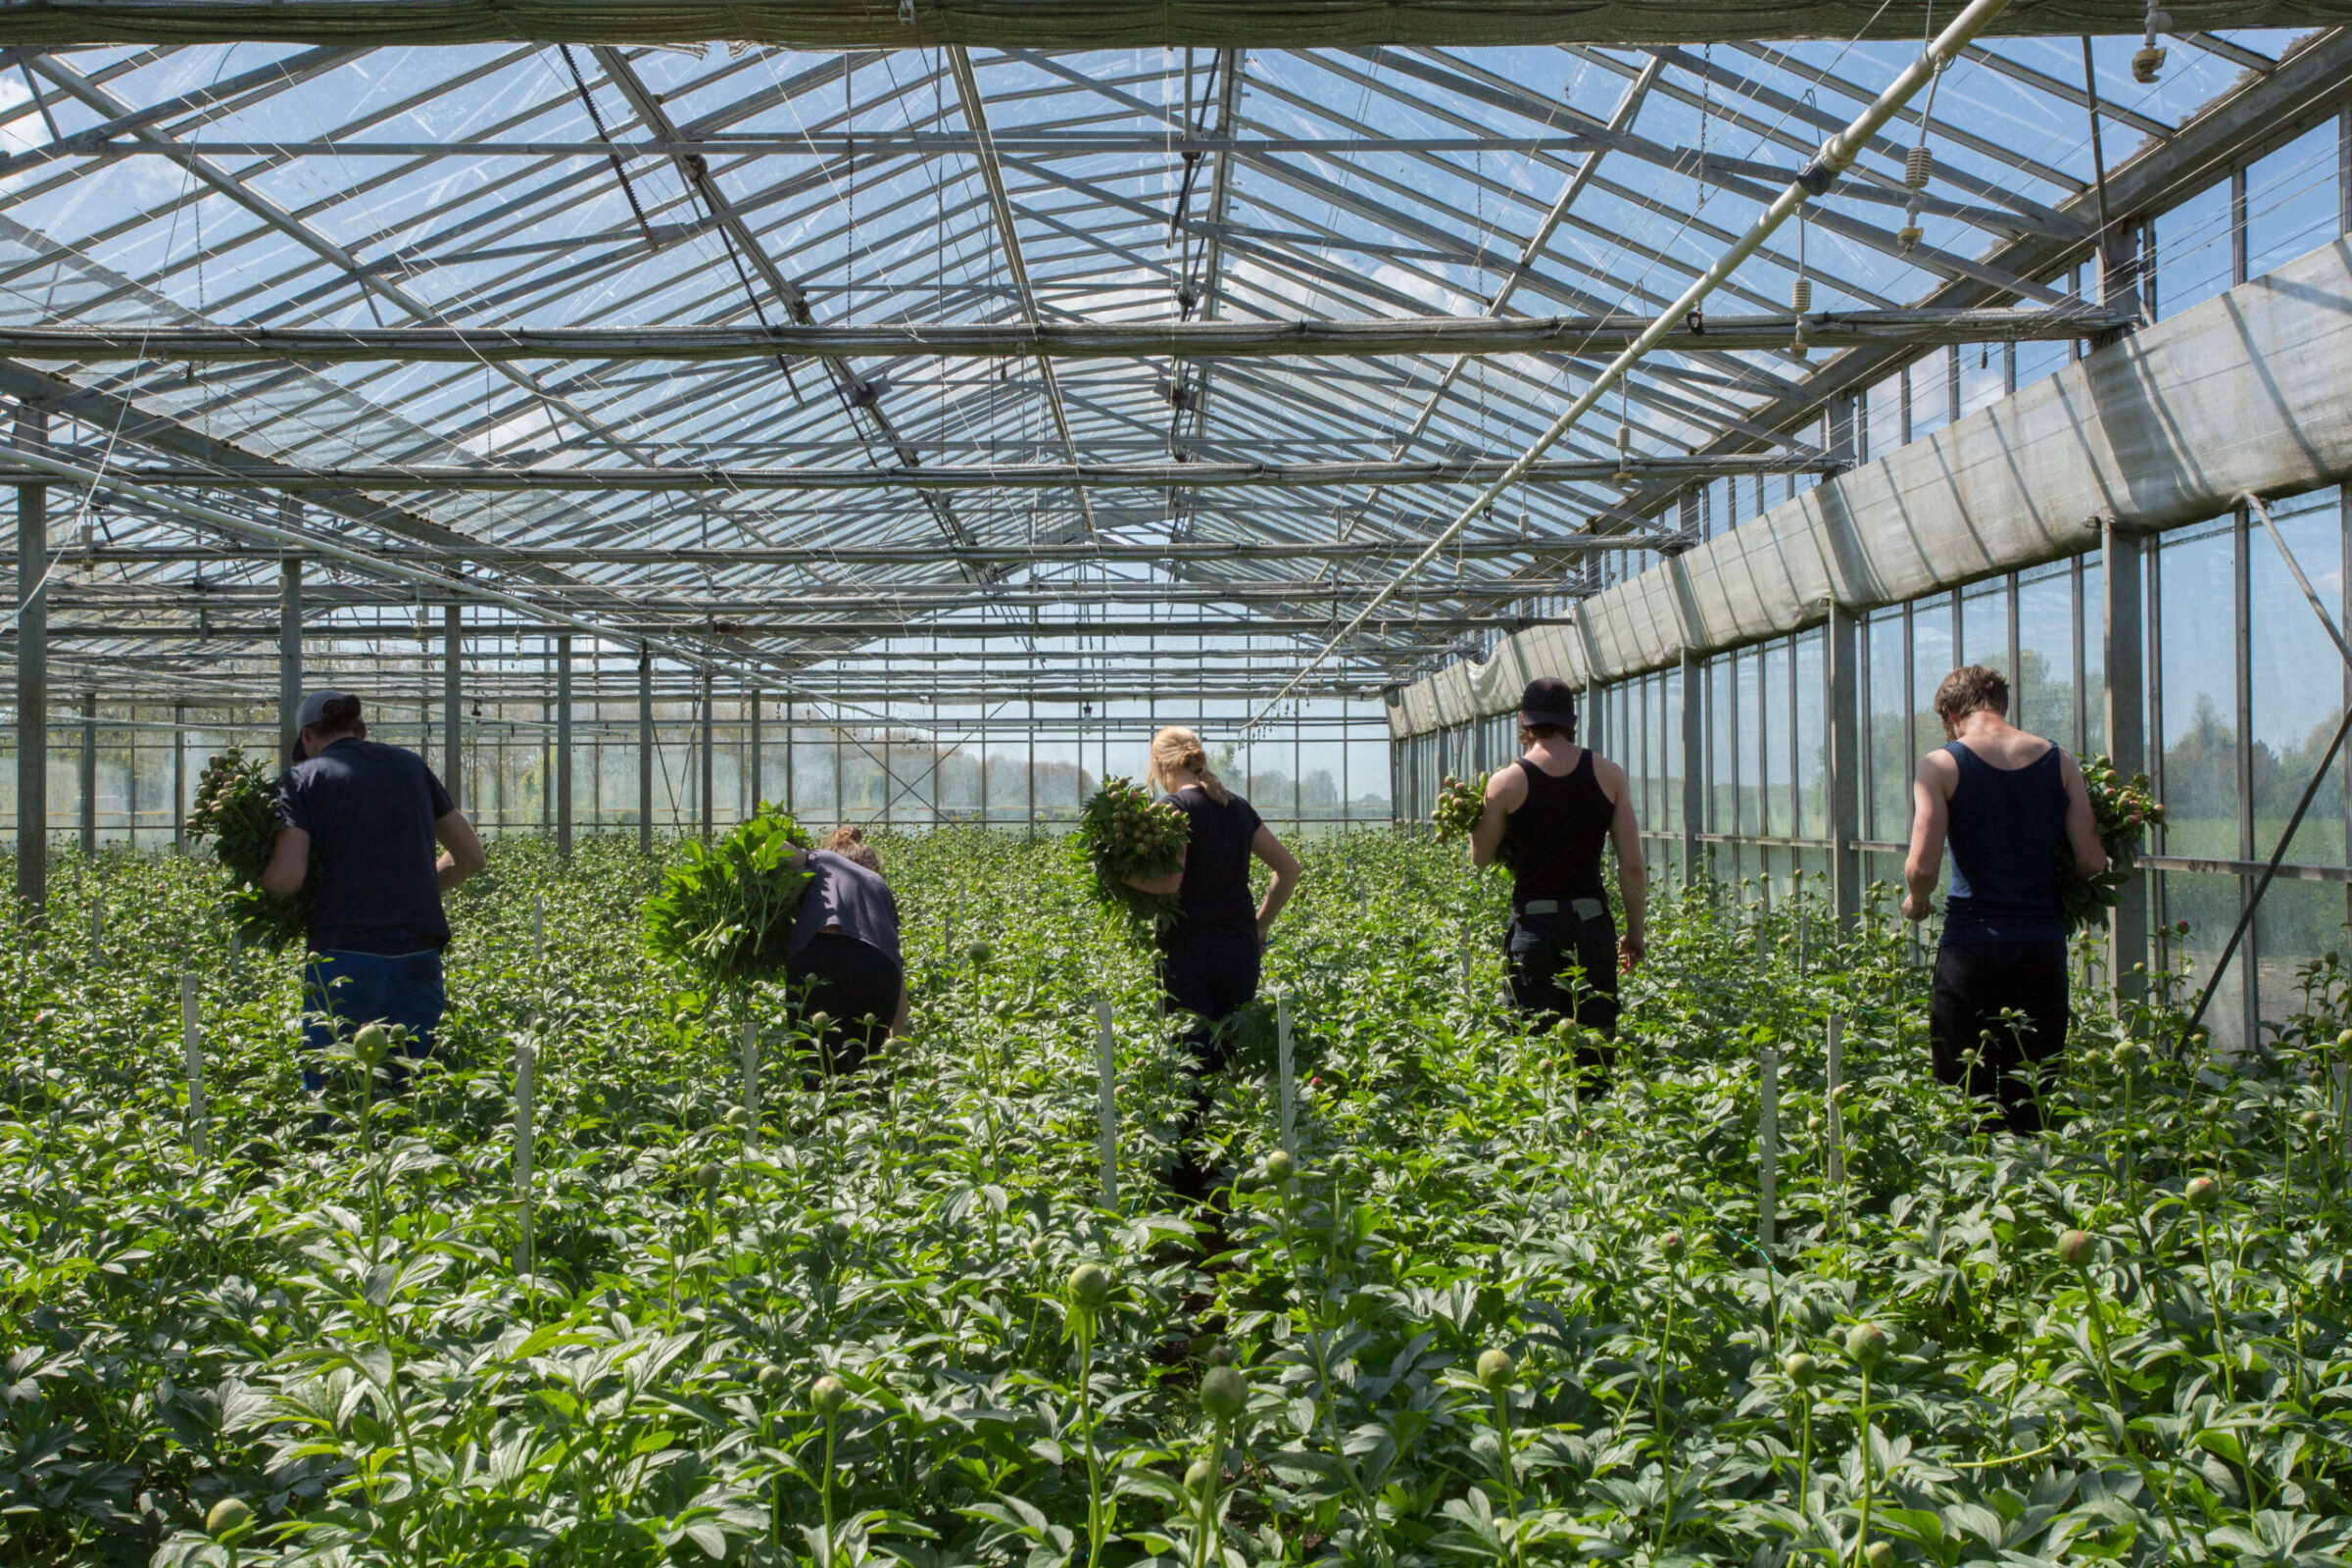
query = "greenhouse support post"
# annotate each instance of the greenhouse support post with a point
(1842, 690)
(2123, 604)
(453, 750)
(191, 1039)
(1107, 1104)
(704, 769)
(752, 772)
(563, 745)
(89, 772)
(645, 749)
(32, 677)
(1693, 674)
(289, 643)
(1768, 1148)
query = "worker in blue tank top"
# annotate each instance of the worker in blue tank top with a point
(2004, 800)
(1547, 817)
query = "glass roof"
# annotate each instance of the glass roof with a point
(270, 186)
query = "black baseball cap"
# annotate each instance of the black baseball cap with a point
(1548, 702)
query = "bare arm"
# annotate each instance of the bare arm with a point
(289, 863)
(1931, 817)
(462, 851)
(1285, 866)
(1506, 792)
(2081, 823)
(1162, 884)
(1633, 873)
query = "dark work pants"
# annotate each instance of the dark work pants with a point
(343, 992)
(1211, 977)
(1546, 951)
(853, 981)
(1969, 1042)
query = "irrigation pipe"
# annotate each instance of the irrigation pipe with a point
(313, 544)
(1814, 180)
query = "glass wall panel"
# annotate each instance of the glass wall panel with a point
(1812, 817)
(2042, 686)
(2295, 705)
(2292, 203)
(1670, 751)
(1985, 626)
(1887, 814)
(1773, 739)
(1723, 788)
(2298, 923)
(1931, 661)
(2209, 904)
(2199, 717)
(1930, 393)
(1750, 775)
(2194, 250)
(1983, 375)
(2094, 657)
(1882, 419)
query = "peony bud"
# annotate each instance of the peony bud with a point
(228, 1519)
(1671, 1245)
(1200, 1475)
(1866, 1343)
(1090, 1285)
(1800, 1368)
(1495, 1370)
(1223, 1394)
(2074, 1248)
(828, 1393)
(2202, 1193)
(1881, 1554)
(1279, 1165)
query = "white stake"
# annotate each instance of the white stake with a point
(751, 1079)
(192, 1036)
(1106, 1062)
(1835, 1107)
(1768, 1148)
(523, 1057)
(1282, 1057)
(1465, 962)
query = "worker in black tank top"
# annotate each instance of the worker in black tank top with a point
(1547, 817)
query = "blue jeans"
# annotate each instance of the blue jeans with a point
(353, 989)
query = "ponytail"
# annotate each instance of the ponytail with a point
(1174, 749)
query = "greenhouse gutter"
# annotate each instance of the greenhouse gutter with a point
(2164, 429)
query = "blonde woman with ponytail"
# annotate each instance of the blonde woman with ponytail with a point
(1209, 957)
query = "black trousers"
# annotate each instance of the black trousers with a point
(1211, 977)
(854, 982)
(1546, 952)
(1973, 1045)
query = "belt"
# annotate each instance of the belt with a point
(1582, 908)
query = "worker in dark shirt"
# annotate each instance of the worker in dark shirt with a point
(2003, 800)
(843, 959)
(1209, 955)
(1548, 815)
(372, 815)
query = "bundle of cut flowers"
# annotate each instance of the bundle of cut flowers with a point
(725, 909)
(1458, 808)
(1123, 832)
(237, 809)
(2126, 808)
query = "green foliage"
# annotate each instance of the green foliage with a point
(1123, 832)
(2126, 808)
(330, 1328)
(237, 810)
(724, 911)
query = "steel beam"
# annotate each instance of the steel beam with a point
(289, 656)
(453, 712)
(562, 773)
(1899, 329)
(1070, 24)
(645, 750)
(2125, 665)
(32, 678)
(1212, 550)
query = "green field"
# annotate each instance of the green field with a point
(338, 1330)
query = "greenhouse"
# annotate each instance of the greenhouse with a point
(965, 507)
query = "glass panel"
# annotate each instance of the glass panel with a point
(1985, 626)
(1982, 372)
(2094, 657)
(1775, 738)
(1882, 419)
(1931, 661)
(1670, 751)
(2192, 251)
(2209, 904)
(1750, 774)
(2036, 360)
(1891, 762)
(1811, 806)
(2298, 923)
(2199, 717)
(1723, 788)
(2291, 200)
(2295, 705)
(1930, 393)
(2043, 682)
